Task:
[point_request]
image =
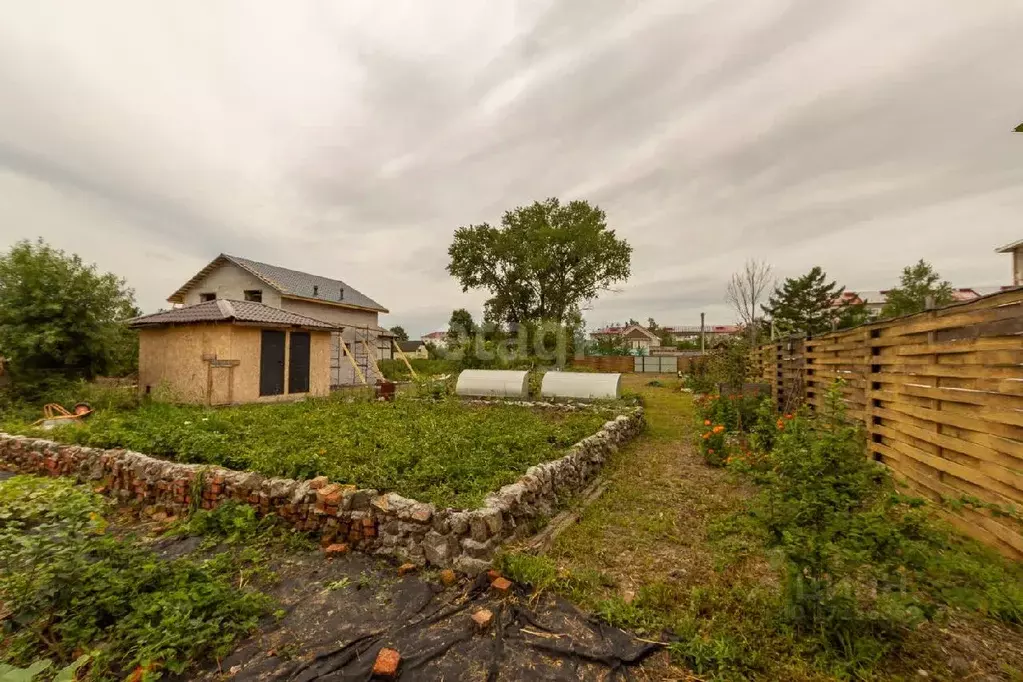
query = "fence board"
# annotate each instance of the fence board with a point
(940, 394)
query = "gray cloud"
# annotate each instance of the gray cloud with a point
(351, 140)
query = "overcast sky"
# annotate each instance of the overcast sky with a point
(350, 139)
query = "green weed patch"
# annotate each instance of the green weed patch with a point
(70, 587)
(445, 452)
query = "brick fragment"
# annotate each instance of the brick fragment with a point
(502, 586)
(336, 549)
(405, 569)
(318, 482)
(448, 577)
(493, 575)
(483, 618)
(387, 663)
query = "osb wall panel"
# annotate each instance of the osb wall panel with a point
(940, 394)
(171, 361)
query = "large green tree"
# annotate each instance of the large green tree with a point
(804, 305)
(460, 325)
(399, 333)
(918, 285)
(542, 262)
(59, 316)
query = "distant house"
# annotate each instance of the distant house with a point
(222, 352)
(414, 349)
(439, 339)
(353, 314)
(1016, 249)
(875, 300)
(636, 338)
(714, 332)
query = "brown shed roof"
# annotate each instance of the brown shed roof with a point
(224, 310)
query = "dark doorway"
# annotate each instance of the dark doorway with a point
(298, 369)
(271, 363)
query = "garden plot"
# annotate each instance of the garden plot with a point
(446, 452)
(482, 474)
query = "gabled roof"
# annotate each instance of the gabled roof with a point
(1010, 247)
(224, 310)
(410, 346)
(288, 283)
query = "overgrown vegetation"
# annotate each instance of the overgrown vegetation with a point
(862, 563)
(70, 588)
(396, 370)
(60, 318)
(826, 571)
(442, 451)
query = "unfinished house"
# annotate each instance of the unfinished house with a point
(359, 341)
(227, 352)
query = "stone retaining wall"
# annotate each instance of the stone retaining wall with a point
(362, 519)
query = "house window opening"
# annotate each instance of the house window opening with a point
(254, 295)
(206, 296)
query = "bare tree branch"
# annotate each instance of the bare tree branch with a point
(747, 288)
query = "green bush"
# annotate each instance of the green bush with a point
(863, 564)
(71, 586)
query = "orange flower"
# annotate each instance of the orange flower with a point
(719, 428)
(706, 422)
(728, 460)
(706, 436)
(789, 416)
(710, 452)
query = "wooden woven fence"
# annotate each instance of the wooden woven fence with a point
(940, 394)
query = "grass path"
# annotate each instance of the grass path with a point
(641, 556)
(651, 523)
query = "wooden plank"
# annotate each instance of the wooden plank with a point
(893, 366)
(956, 395)
(960, 346)
(980, 534)
(1006, 386)
(1007, 469)
(959, 318)
(957, 470)
(992, 358)
(962, 421)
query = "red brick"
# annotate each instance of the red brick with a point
(493, 575)
(502, 586)
(387, 663)
(405, 569)
(329, 495)
(336, 549)
(448, 577)
(483, 618)
(368, 523)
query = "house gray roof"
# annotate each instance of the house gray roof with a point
(289, 283)
(224, 310)
(410, 346)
